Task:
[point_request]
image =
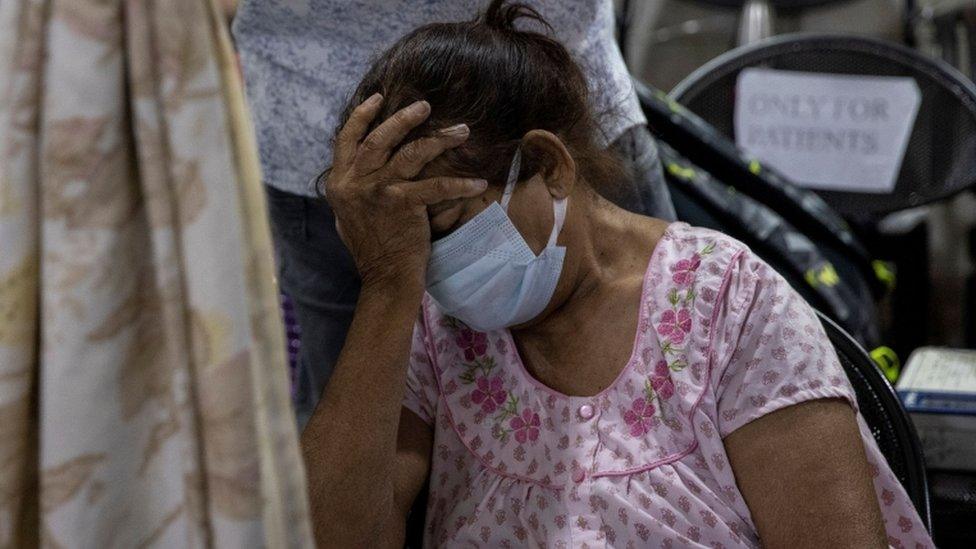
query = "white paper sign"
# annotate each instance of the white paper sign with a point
(827, 131)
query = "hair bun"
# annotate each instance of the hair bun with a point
(502, 14)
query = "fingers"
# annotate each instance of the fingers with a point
(439, 189)
(412, 157)
(347, 141)
(375, 149)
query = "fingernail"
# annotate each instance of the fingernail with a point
(374, 99)
(479, 184)
(421, 107)
(455, 130)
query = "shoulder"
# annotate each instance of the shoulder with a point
(686, 252)
(708, 280)
(743, 270)
(684, 234)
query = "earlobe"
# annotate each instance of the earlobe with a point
(556, 166)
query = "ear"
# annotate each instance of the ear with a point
(551, 158)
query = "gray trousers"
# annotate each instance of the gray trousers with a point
(318, 274)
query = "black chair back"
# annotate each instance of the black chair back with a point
(698, 141)
(940, 159)
(885, 416)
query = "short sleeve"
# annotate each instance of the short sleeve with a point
(420, 396)
(771, 351)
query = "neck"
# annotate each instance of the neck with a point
(608, 246)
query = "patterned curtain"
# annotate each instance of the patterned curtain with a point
(143, 387)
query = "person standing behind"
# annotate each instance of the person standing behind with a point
(301, 61)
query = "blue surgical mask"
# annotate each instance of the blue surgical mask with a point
(485, 275)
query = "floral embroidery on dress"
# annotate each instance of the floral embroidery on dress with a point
(661, 381)
(660, 387)
(676, 323)
(489, 388)
(526, 426)
(473, 343)
(674, 326)
(489, 394)
(684, 270)
(640, 417)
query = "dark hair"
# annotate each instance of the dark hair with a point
(501, 82)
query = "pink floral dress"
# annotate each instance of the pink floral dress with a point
(721, 340)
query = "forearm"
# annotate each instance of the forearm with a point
(380, 207)
(349, 444)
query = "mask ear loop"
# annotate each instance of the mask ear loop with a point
(559, 217)
(558, 206)
(513, 173)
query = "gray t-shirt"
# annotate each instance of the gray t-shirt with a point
(302, 60)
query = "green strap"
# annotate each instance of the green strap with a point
(683, 172)
(884, 272)
(825, 275)
(887, 360)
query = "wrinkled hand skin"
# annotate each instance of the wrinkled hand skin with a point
(380, 209)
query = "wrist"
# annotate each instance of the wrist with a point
(402, 286)
(394, 273)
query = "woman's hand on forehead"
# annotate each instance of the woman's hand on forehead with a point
(380, 205)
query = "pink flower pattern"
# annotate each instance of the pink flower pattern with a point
(499, 438)
(675, 325)
(640, 417)
(474, 344)
(661, 380)
(526, 426)
(663, 387)
(683, 272)
(489, 394)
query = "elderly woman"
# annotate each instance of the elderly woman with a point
(560, 372)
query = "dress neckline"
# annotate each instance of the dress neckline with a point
(635, 353)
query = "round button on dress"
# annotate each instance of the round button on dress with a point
(586, 411)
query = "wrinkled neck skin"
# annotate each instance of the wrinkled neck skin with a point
(607, 252)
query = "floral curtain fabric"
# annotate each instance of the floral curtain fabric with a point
(143, 386)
